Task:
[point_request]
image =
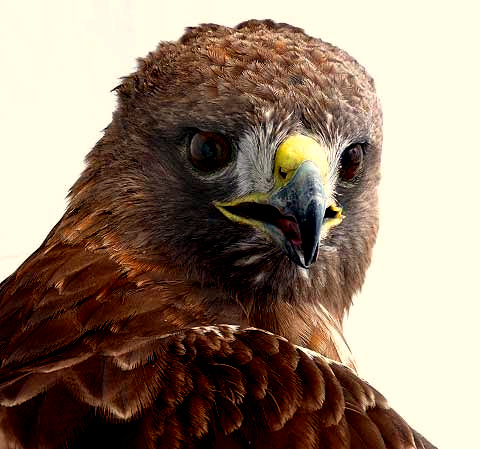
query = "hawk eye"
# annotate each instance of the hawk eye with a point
(209, 151)
(351, 162)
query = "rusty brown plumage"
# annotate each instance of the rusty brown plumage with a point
(148, 319)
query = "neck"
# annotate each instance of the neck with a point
(311, 317)
(308, 324)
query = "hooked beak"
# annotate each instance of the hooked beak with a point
(296, 211)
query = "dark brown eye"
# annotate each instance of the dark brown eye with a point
(351, 162)
(209, 151)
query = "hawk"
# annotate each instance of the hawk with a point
(193, 293)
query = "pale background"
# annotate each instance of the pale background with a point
(414, 327)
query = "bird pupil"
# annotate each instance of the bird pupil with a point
(355, 154)
(209, 149)
(350, 162)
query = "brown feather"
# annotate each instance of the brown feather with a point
(147, 320)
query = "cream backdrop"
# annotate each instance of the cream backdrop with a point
(414, 326)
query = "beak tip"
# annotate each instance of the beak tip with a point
(311, 258)
(299, 256)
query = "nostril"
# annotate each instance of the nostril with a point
(282, 173)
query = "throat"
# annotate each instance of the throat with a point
(310, 326)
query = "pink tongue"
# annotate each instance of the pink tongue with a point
(290, 230)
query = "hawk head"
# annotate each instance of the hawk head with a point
(244, 160)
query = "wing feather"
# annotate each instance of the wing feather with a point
(93, 358)
(198, 384)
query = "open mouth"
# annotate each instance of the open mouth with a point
(333, 215)
(269, 214)
(294, 214)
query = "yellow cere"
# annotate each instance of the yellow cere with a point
(293, 152)
(290, 155)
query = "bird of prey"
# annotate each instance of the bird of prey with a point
(193, 293)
